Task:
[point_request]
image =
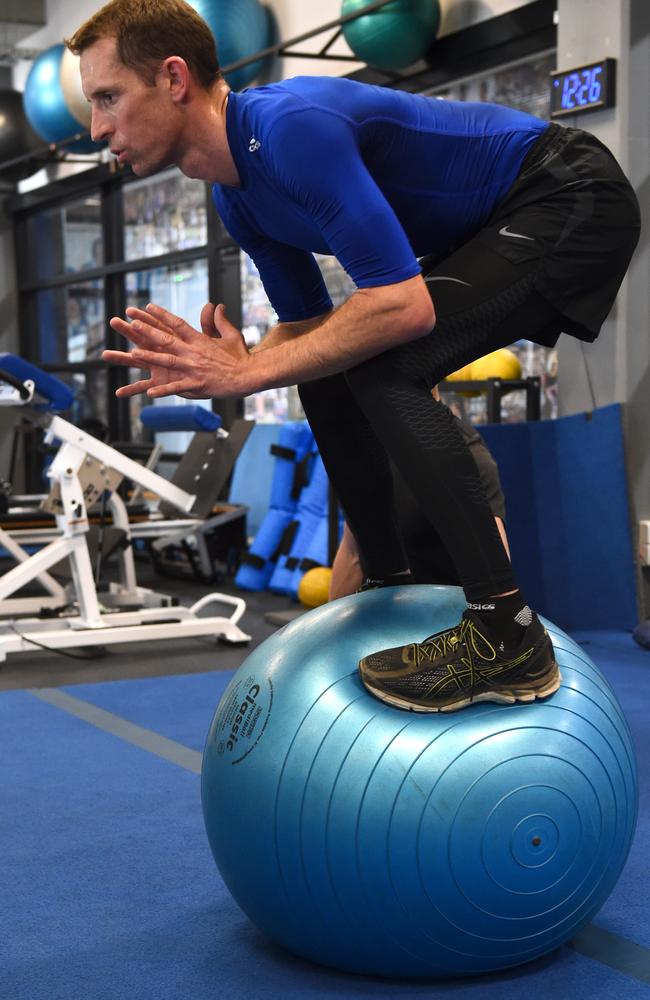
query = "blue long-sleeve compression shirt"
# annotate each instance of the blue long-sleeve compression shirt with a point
(374, 176)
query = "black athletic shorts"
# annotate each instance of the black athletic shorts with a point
(428, 558)
(570, 222)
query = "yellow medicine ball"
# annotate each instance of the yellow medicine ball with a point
(499, 364)
(463, 374)
(313, 589)
(503, 363)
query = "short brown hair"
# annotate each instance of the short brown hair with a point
(149, 31)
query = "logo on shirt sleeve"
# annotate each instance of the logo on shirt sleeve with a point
(254, 145)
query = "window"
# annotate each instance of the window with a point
(90, 405)
(71, 325)
(64, 239)
(77, 243)
(523, 85)
(86, 321)
(258, 316)
(162, 214)
(183, 289)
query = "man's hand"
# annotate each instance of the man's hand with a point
(182, 361)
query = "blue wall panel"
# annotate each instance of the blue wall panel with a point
(569, 521)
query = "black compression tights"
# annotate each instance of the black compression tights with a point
(385, 406)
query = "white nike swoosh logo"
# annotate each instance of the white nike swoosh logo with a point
(437, 277)
(519, 236)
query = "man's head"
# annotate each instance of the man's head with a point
(141, 62)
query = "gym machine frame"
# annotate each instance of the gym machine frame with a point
(81, 471)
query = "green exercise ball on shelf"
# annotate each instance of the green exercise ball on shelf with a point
(394, 36)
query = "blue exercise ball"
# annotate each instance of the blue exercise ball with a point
(394, 36)
(241, 28)
(410, 845)
(45, 103)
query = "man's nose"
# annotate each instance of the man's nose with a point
(99, 127)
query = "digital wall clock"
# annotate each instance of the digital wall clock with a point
(585, 88)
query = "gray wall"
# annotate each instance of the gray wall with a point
(618, 364)
(635, 374)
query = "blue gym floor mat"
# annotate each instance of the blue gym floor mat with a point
(110, 891)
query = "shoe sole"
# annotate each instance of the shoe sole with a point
(505, 697)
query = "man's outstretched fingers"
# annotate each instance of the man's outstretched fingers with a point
(175, 324)
(133, 312)
(128, 330)
(140, 358)
(119, 358)
(145, 336)
(134, 389)
(207, 320)
(184, 387)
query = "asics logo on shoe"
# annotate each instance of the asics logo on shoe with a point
(254, 145)
(504, 231)
(481, 607)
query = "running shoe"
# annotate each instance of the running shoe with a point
(462, 665)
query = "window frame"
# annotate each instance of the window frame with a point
(109, 184)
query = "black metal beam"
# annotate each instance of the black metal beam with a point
(114, 305)
(124, 266)
(224, 285)
(65, 187)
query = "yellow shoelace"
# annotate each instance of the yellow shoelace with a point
(441, 644)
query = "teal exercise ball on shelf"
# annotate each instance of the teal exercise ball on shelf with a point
(394, 36)
(408, 845)
(45, 103)
(241, 28)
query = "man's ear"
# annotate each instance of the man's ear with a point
(176, 75)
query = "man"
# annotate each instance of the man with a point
(526, 229)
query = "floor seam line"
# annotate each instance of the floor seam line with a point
(139, 736)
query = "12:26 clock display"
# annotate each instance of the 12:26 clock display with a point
(585, 88)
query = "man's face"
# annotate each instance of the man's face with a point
(138, 121)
